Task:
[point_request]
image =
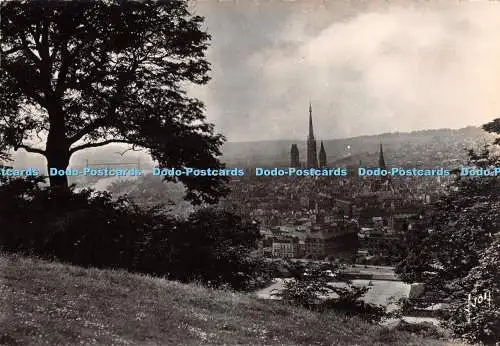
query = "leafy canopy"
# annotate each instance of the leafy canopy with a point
(78, 75)
(454, 249)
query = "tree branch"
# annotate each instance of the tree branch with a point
(29, 52)
(87, 129)
(36, 36)
(67, 58)
(127, 150)
(114, 102)
(30, 149)
(27, 86)
(100, 144)
(12, 50)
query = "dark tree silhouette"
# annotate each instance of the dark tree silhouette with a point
(494, 127)
(454, 249)
(88, 73)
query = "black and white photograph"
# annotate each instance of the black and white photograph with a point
(250, 172)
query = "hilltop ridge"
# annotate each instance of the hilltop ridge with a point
(432, 147)
(397, 145)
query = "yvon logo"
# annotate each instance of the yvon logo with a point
(476, 302)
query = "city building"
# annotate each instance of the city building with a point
(285, 247)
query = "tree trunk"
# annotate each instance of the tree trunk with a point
(57, 150)
(59, 160)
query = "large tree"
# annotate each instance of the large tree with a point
(85, 74)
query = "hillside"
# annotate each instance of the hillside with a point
(431, 147)
(52, 303)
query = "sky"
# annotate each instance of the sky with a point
(368, 67)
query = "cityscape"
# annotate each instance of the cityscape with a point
(296, 172)
(349, 218)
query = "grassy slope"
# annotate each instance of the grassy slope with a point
(51, 303)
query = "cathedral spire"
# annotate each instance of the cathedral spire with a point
(311, 131)
(312, 158)
(381, 160)
(322, 156)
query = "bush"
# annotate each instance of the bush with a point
(482, 323)
(214, 246)
(454, 249)
(85, 228)
(89, 228)
(368, 312)
(312, 284)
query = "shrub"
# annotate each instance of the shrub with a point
(313, 284)
(214, 246)
(89, 228)
(452, 248)
(482, 323)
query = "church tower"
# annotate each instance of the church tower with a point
(312, 157)
(322, 156)
(381, 160)
(384, 179)
(294, 156)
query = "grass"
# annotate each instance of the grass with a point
(46, 303)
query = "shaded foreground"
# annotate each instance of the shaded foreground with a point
(52, 303)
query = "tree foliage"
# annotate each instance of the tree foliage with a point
(454, 247)
(91, 229)
(213, 246)
(85, 74)
(312, 286)
(480, 321)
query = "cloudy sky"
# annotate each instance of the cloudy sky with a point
(368, 67)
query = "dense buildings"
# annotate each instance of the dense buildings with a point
(331, 217)
(350, 218)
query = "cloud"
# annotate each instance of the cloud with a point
(367, 69)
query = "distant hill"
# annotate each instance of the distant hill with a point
(47, 303)
(432, 147)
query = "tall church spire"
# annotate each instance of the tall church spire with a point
(381, 160)
(322, 156)
(312, 157)
(311, 131)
